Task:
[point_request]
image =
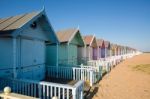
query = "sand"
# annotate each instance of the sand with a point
(124, 82)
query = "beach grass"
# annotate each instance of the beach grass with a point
(142, 67)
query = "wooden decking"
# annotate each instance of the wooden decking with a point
(61, 81)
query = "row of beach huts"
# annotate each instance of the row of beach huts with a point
(36, 61)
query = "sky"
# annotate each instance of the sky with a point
(124, 22)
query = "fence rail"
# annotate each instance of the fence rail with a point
(86, 74)
(44, 90)
(60, 72)
(73, 73)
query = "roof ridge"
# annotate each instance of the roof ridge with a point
(93, 37)
(14, 21)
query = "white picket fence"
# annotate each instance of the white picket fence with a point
(43, 90)
(59, 72)
(73, 73)
(97, 70)
(104, 65)
(86, 74)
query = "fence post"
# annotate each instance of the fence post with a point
(74, 93)
(39, 91)
(81, 65)
(81, 92)
(91, 77)
(74, 74)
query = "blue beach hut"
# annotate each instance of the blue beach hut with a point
(23, 44)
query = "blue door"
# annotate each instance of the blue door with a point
(32, 59)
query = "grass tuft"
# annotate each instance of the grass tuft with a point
(142, 67)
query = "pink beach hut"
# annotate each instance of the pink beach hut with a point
(91, 47)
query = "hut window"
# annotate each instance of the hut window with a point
(33, 25)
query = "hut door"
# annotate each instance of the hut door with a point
(94, 53)
(103, 53)
(32, 59)
(39, 60)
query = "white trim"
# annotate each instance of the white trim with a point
(92, 40)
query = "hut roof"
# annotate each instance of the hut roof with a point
(100, 42)
(107, 44)
(66, 35)
(88, 39)
(14, 22)
(12, 26)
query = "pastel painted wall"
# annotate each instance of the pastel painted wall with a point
(30, 54)
(89, 53)
(51, 55)
(67, 55)
(6, 57)
(72, 55)
(102, 52)
(63, 54)
(82, 55)
(69, 52)
(95, 54)
(99, 52)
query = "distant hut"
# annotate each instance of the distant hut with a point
(22, 41)
(112, 49)
(107, 48)
(118, 50)
(70, 40)
(91, 47)
(101, 48)
(124, 50)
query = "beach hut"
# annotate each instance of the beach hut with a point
(101, 48)
(91, 47)
(22, 45)
(118, 50)
(70, 40)
(112, 49)
(107, 48)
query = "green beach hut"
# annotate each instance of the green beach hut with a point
(68, 49)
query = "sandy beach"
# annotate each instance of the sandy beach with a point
(128, 80)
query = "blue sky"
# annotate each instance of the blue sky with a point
(125, 22)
